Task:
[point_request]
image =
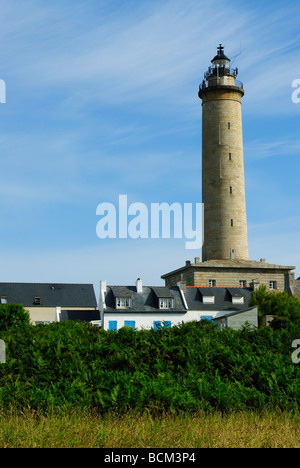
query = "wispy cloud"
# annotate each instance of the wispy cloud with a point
(158, 51)
(258, 149)
(102, 100)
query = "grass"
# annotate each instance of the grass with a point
(83, 429)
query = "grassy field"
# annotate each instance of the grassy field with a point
(82, 429)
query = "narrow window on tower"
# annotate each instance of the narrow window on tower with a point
(228, 125)
(231, 222)
(229, 156)
(230, 189)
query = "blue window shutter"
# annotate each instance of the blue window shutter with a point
(112, 325)
(167, 324)
(157, 325)
(207, 317)
(129, 323)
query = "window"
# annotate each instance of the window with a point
(212, 282)
(243, 283)
(231, 222)
(3, 300)
(229, 156)
(157, 324)
(228, 125)
(230, 189)
(237, 300)
(208, 299)
(112, 325)
(206, 317)
(273, 285)
(40, 322)
(37, 300)
(232, 254)
(123, 302)
(129, 323)
(165, 303)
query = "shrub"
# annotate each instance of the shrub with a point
(185, 368)
(13, 315)
(276, 303)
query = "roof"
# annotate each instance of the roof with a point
(231, 265)
(237, 312)
(223, 298)
(235, 292)
(50, 294)
(146, 301)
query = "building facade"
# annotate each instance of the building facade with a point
(155, 307)
(50, 302)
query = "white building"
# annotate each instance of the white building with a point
(154, 307)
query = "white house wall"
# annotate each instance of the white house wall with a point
(146, 321)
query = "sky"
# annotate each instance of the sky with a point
(101, 101)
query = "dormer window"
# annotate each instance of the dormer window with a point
(165, 303)
(237, 300)
(208, 295)
(3, 300)
(236, 296)
(208, 299)
(123, 303)
(37, 300)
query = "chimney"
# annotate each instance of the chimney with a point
(102, 304)
(139, 285)
(57, 314)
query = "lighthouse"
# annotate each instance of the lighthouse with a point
(225, 260)
(223, 182)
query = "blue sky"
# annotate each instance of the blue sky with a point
(102, 101)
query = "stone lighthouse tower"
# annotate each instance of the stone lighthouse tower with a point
(223, 185)
(225, 261)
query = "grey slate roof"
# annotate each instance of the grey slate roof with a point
(146, 301)
(223, 298)
(51, 294)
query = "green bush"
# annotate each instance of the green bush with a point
(13, 315)
(184, 368)
(280, 304)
